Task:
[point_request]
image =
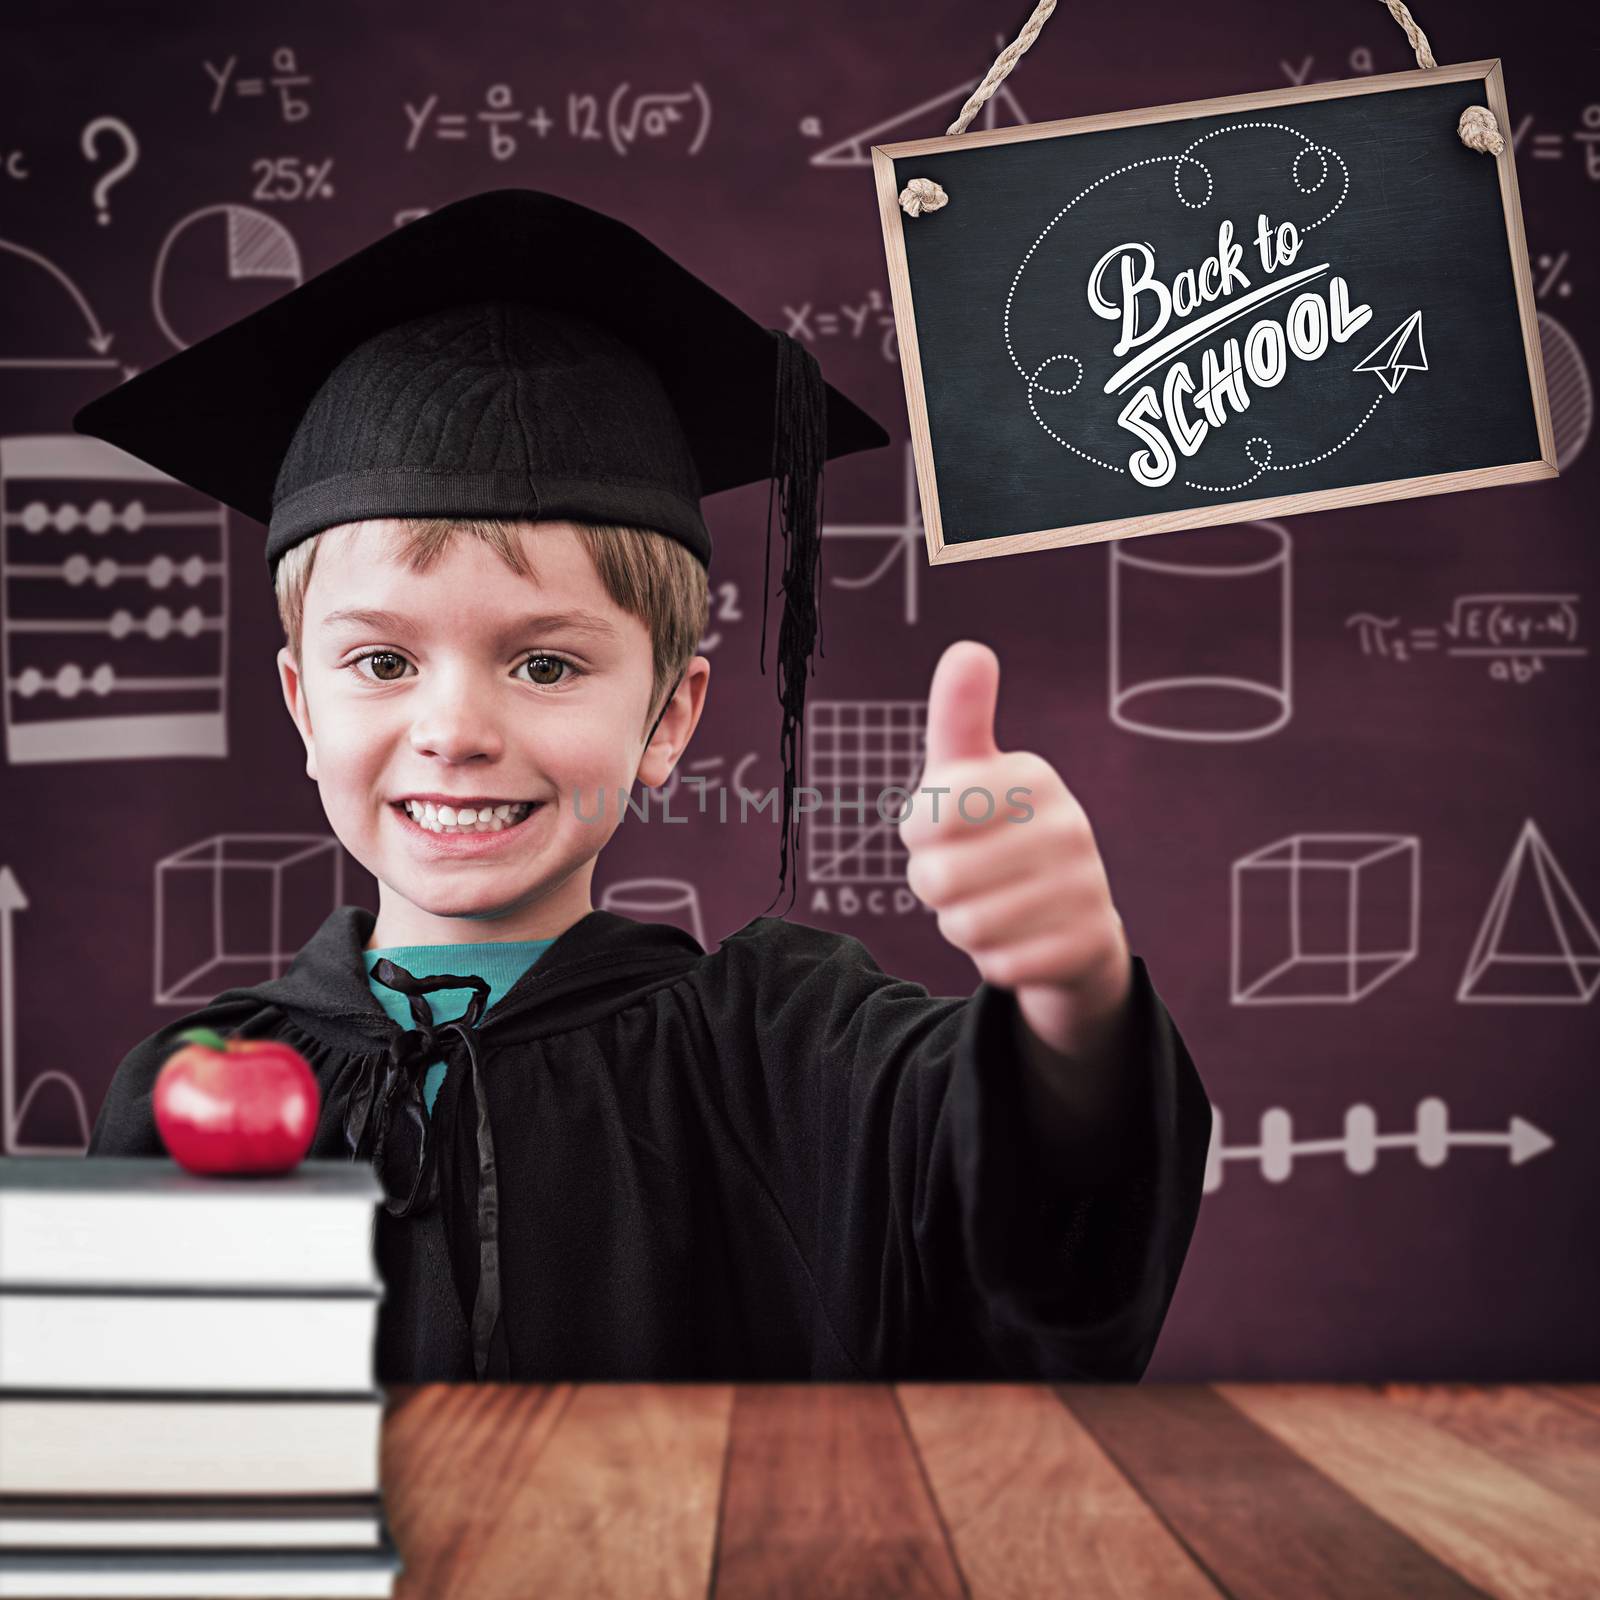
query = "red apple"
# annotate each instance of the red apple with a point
(235, 1105)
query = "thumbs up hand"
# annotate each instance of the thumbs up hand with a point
(1020, 887)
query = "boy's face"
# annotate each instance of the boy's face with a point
(487, 686)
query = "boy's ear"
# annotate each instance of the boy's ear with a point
(677, 725)
(294, 697)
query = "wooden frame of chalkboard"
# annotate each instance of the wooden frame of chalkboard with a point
(992, 474)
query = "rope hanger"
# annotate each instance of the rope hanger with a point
(1477, 126)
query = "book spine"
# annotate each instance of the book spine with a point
(372, 1290)
(188, 1397)
(194, 1508)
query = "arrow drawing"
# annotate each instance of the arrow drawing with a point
(1277, 1148)
(12, 1115)
(1399, 354)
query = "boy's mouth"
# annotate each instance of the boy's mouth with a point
(448, 820)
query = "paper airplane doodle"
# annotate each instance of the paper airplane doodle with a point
(1399, 354)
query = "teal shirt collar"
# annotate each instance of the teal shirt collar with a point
(499, 963)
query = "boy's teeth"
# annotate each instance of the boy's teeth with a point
(447, 819)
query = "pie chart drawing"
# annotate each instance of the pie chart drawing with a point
(253, 246)
(1566, 376)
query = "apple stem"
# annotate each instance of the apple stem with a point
(206, 1036)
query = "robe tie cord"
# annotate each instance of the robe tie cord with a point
(1477, 127)
(388, 1124)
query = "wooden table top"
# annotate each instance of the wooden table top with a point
(988, 1490)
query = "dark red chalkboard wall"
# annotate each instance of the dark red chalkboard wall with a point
(1363, 866)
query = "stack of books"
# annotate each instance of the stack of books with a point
(188, 1394)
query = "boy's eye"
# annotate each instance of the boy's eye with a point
(547, 669)
(377, 656)
(546, 664)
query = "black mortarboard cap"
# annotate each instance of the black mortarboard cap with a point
(513, 354)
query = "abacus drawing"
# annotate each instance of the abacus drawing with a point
(113, 613)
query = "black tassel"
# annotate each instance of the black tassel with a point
(799, 448)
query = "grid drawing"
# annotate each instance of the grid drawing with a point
(856, 749)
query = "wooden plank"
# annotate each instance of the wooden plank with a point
(1526, 1427)
(824, 1496)
(1032, 1503)
(1259, 1518)
(604, 1489)
(444, 1463)
(623, 1501)
(1586, 1395)
(397, 1396)
(1499, 1528)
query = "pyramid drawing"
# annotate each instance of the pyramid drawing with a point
(1536, 944)
(856, 151)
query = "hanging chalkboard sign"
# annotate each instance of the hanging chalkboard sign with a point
(1215, 311)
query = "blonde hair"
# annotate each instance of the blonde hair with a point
(647, 574)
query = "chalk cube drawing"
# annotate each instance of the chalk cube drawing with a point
(1322, 918)
(232, 910)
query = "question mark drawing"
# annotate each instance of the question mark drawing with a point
(129, 160)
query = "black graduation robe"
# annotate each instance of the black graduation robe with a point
(774, 1162)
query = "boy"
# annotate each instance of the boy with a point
(479, 446)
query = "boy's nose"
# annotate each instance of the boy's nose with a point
(456, 728)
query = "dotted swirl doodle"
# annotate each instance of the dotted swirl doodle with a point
(1309, 170)
(1265, 463)
(1033, 384)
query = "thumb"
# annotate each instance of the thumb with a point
(961, 704)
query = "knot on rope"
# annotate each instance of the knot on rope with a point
(1479, 130)
(922, 194)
